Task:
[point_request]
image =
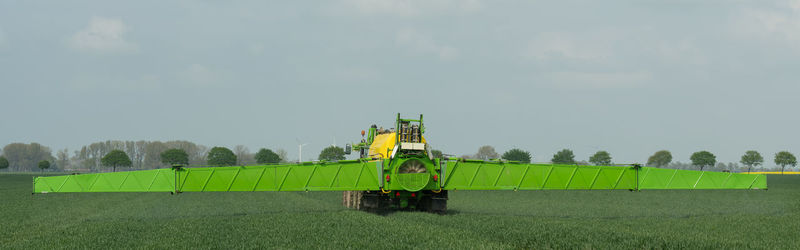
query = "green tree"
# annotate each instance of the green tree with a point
(703, 159)
(660, 159)
(266, 156)
(175, 156)
(221, 156)
(785, 158)
(601, 158)
(437, 154)
(564, 156)
(116, 158)
(3, 162)
(517, 155)
(751, 158)
(44, 165)
(332, 153)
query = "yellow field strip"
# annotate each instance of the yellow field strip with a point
(787, 172)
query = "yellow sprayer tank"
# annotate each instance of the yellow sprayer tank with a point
(383, 144)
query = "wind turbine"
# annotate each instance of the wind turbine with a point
(300, 150)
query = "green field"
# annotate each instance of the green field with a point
(476, 219)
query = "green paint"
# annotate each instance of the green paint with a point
(363, 175)
(408, 178)
(472, 175)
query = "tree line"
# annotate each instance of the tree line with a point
(141, 154)
(660, 159)
(138, 155)
(99, 156)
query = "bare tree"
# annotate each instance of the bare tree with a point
(81, 157)
(487, 152)
(139, 152)
(130, 150)
(96, 151)
(25, 157)
(241, 153)
(62, 158)
(199, 156)
(115, 145)
(152, 154)
(283, 154)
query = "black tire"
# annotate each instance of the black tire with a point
(439, 203)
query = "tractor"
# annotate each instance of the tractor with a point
(396, 170)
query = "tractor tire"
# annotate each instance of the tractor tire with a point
(351, 199)
(438, 203)
(374, 202)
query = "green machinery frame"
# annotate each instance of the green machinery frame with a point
(371, 175)
(408, 178)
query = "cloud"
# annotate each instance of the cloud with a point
(614, 48)
(587, 60)
(422, 43)
(256, 49)
(2, 37)
(198, 75)
(608, 58)
(104, 35)
(411, 8)
(780, 24)
(356, 74)
(680, 52)
(561, 45)
(116, 82)
(599, 80)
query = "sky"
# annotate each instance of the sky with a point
(628, 77)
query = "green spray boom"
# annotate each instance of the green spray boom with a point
(397, 171)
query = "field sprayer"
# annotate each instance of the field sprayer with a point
(396, 171)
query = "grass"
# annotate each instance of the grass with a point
(477, 219)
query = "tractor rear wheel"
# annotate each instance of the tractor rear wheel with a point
(434, 203)
(352, 199)
(373, 202)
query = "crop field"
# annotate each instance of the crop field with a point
(476, 219)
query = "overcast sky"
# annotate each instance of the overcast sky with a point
(629, 77)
